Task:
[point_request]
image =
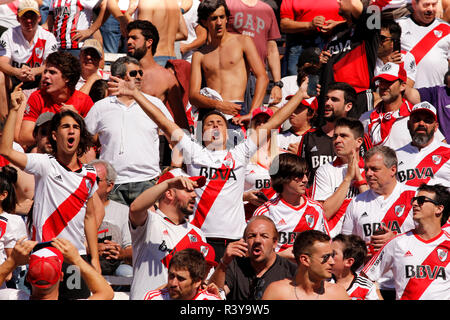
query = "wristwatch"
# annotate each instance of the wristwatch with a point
(278, 84)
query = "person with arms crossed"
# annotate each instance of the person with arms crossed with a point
(315, 258)
(251, 264)
(65, 198)
(419, 258)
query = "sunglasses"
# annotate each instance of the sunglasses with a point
(325, 257)
(384, 38)
(422, 199)
(133, 73)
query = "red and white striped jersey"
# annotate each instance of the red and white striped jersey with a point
(12, 228)
(219, 211)
(327, 179)
(361, 288)
(430, 165)
(60, 199)
(291, 220)
(20, 52)
(70, 16)
(430, 46)
(153, 244)
(421, 267)
(163, 294)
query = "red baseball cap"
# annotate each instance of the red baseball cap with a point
(201, 180)
(45, 267)
(391, 72)
(262, 109)
(310, 102)
(206, 249)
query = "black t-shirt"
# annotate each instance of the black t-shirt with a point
(353, 57)
(243, 283)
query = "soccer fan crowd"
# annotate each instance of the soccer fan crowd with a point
(224, 150)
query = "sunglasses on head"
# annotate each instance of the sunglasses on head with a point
(134, 73)
(422, 199)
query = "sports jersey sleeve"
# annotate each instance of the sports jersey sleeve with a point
(410, 65)
(33, 108)
(245, 150)
(381, 262)
(15, 230)
(261, 210)
(37, 164)
(190, 148)
(348, 224)
(322, 187)
(50, 45)
(286, 9)
(5, 43)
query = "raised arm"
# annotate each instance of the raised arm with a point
(19, 159)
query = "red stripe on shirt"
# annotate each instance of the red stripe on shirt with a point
(402, 203)
(67, 210)
(417, 286)
(427, 43)
(441, 155)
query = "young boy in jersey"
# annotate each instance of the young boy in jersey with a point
(65, 203)
(350, 254)
(419, 258)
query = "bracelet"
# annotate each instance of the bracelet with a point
(358, 184)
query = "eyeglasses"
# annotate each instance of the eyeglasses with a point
(384, 38)
(134, 73)
(257, 288)
(422, 199)
(325, 257)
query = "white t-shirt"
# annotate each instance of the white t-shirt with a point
(431, 54)
(70, 16)
(219, 210)
(129, 138)
(14, 46)
(12, 228)
(327, 179)
(60, 199)
(152, 242)
(8, 14)
(368, 210)
(291, 220)
(163, 294)
(420, 267)
(430, 165)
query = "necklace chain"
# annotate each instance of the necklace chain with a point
(295, 291)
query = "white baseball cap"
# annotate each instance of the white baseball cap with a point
(425, 106)
(27, 5)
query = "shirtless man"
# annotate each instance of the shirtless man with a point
(157, 81)
(167, 18)
(314, 256)
(225, 62)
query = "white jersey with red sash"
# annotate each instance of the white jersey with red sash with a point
(219, 211)
(421, 267)
(12, 228)
(153, 245)
(163, 294)
(368, 210)
(361, 288)
(388, 128)
(70, 16)
(430, 165)
(60, 199)
(291, 220)
(327, 179)
(430, 46)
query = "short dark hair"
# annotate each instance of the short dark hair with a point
(349, 91)
(119, 66)
(8, 177)
(193, 261)
(99, 90)
(355, 126)
(305, 240)
(207, 7)
(441, 196)
(354, 247)
(394, 28)
(148, 29)
(86, 139)
(446, 77)
(284, 168)
(69, 66)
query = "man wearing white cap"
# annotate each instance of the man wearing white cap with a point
(91, 55)
(387, 123)
(24, 48)
(425, 159)
(156, 234)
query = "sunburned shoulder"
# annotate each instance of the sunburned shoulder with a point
(279, 290)
(335, 291)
